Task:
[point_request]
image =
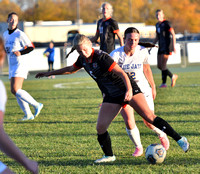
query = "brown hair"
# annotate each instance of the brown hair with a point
(135, 30)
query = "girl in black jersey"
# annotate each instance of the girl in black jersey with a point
(119, 90)
(107, 28)
(165, 36)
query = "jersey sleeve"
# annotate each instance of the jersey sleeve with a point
(78, 64)
(25, 41)
(106, 63)
(115, 26)
(3, 97)
(168, 25)
(114, 56)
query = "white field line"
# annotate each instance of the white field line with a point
(77, 85)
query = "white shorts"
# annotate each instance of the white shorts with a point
(149, 99)
(18, 68)
(2, 167)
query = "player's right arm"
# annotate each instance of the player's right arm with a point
(62, 71)
(156, 39)
(95, 38)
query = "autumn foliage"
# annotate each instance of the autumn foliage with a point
(184, 14)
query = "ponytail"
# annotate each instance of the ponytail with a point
(72, 49)
(147, 44)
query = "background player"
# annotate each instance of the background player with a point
(118, 88)
(17, 46)
(107, 28)
(165, 36)
(6, 144)
(133, 59)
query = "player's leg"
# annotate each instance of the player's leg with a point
(140, 105)
(107, 113)
(49, 65)
(159, 65)
(16, 89)
(162, 136)
(17, 83)
(165, 70)
(128, 115)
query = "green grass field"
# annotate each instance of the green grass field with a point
(63, 138)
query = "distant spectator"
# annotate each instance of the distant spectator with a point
(50, 53)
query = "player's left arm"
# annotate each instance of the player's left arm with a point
(118, 71)
(171, 30)
(27, 45)
(149, 76)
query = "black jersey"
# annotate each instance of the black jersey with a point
(107, 30)
(100, 69)
(164, 37)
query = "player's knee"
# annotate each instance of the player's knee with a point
(100, 128)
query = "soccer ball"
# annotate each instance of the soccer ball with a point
(155, 153)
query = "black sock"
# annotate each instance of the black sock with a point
(105, 143)
(164, 76)
(169, 73)
(165, 127)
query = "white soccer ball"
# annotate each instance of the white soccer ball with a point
(155, 153)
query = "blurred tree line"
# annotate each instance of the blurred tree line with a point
(183, 14)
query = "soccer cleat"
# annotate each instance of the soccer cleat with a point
(174, 78)
(164, 141)
(138, 151)
(163, 85)
(27, 117)
(105, 159)
(183, 143)
(38, 109)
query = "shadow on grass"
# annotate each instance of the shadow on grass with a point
(132, 162)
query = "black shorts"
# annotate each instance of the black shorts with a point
(120, 99)
(165, 50)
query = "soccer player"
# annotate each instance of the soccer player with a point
(107, 28)
(6, 144)
(119, 89)
(165, 36)
(133, 59)
(17, 46)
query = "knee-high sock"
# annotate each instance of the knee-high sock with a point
(169, 73)
(25, 96)
(105, 143)
(158, 132)
(164, 76)
(134, 135)
(24, 106)
(165, 127)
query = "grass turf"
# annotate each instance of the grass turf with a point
(63, 138)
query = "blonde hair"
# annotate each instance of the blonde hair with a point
(111, 7)
(79, 40)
